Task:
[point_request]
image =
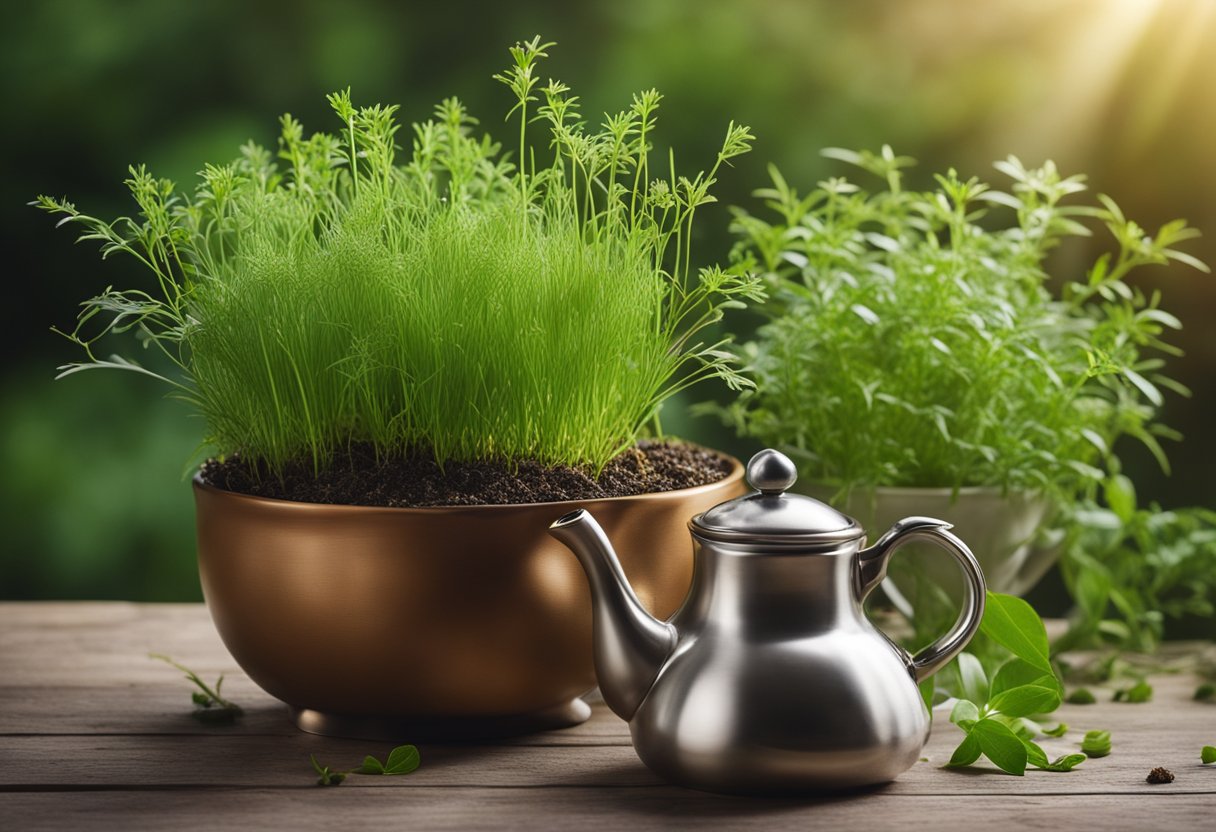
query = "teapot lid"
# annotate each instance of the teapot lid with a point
(770, 515)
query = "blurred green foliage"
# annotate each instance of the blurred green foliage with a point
(92, 499)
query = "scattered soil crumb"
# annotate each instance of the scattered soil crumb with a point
(1159, 775)
(415, 479)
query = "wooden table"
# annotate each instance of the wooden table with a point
(96, 735)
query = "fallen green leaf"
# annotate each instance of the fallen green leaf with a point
(401, 760)
(1096, 743)
(1208, 754)
(209, 705)
(327, 776)
(1081, 696)
(1137, 694)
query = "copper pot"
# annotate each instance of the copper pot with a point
(461, 620)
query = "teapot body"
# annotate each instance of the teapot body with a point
(778, 682)
(769, 678)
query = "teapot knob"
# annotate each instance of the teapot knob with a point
(771, 472)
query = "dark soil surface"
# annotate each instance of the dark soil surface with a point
(415, 480)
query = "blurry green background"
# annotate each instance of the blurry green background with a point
(94, 496)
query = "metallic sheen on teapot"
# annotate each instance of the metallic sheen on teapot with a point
(769, 678)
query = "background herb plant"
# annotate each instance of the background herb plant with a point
(912, 339)
(1130, 569)
(477, 304)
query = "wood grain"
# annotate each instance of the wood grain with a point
(93, 734)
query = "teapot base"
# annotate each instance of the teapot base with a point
(438, 728)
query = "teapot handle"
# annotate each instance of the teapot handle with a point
(872, 568)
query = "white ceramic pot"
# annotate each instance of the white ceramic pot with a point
(1008, 532)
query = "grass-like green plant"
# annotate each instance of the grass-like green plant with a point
(537, 304)
(913, 339)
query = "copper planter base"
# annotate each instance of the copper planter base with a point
(439, 729)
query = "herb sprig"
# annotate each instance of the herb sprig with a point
(996, 713)
(403, 759)
(209, 705)
(912, 339)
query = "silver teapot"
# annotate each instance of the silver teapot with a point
(769, 678)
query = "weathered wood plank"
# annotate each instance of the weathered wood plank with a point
(84, 714)
(224, 759)
(164, 708)
(83, 668)
(584, 808)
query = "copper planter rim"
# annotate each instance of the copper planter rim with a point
(734, 475)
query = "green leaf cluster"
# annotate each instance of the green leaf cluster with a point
(912, 337)
(534, 304)
(1130, 568)
(996, 714)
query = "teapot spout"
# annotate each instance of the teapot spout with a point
(631, 646)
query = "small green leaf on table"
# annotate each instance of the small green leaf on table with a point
(1205, 692)
(1059, 731)
(327, 776)
(401, 760)
(968, 752)
(1208, 754)
(1081, 696)
(1037, 757)
(1096, 743)
(1138, 693)
(209, 704)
